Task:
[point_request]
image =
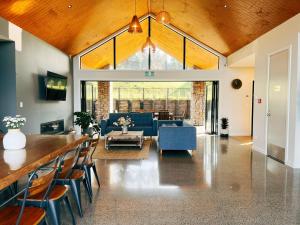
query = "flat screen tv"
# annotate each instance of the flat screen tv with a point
(56, 87)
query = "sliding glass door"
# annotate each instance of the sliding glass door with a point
(89, 96)
(211, 107)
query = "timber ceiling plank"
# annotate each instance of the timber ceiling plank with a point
(71, 29)
(225, 29)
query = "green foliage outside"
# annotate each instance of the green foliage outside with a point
(145, 90)
(152, 90)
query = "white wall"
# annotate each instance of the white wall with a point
(285, 35)
(234, 104)
(35, 58)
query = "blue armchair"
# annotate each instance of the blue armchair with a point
(176, 135)
(142, 121)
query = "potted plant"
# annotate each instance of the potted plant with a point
(84, 120)
(14, 138)
(224, 127)
(124, 123)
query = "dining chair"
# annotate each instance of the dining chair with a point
(86, 161)
(50, 200)
(72, 177)
(180, 116)
(39, 183)
(163, 115)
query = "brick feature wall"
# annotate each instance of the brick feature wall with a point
(198, 103)
(102, 104)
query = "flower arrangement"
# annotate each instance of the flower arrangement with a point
(14, 122)
(122, 121)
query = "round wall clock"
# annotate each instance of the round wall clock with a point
(236, 84)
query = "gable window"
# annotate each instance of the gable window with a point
(173, 51)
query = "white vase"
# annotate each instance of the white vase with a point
(14, 158)
(14, 139)
(124, 129)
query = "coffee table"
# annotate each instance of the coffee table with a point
(131, 138)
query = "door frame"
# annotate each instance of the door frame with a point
(289, 49)
(214, 121)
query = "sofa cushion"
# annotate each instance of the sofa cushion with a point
(142, 119)
(169, 125)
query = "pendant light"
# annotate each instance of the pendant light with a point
(135, 26)
(149, 44)
(163, 16)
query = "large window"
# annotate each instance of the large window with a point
(152, 97)
(173, 51)
(100, 58)
(200, 59)
(169, 53)
(129, 55)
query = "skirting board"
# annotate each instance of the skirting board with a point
(258, 149)
(240, 134)
(292, 165)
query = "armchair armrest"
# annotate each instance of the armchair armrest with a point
(155, 127)
(103, 125)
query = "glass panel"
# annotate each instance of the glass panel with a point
(277, 104)
(162, 61)
(100, 58)
(129, 55)
(208, 107)
(152, 97)
(199, 58)
(91, 97)
(169, 53)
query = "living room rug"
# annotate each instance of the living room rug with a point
(122, 152)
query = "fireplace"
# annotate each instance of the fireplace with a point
(53, 127)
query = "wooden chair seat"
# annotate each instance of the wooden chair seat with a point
(31, 215)
(76, 174)
(57, 192)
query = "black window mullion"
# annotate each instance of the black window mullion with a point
(184, 53)
(114, 53)
(149, 50)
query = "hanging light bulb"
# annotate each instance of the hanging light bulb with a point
(163, 16)
(149, 44)
(135, 26)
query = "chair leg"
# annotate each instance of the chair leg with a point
(86, 185)
(87, 171)
(75, 188)
(15, 187)
(96, 174)
(54, 208)
(44, 222)
(66, 199)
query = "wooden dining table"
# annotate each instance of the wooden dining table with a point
(39, 150)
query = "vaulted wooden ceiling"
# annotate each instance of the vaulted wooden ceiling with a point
(224, 25)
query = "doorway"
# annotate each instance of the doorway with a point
(195, 102)
(211, 107)
(277, 114)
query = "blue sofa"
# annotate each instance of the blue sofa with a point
(142, 121)
(176, 135)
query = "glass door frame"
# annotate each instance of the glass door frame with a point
(214, 108)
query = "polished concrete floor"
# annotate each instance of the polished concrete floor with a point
(224, 182)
